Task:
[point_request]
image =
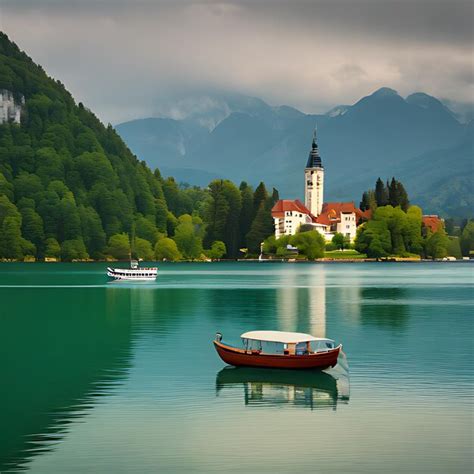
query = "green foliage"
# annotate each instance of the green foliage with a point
(392, 193)
(188, 236)
(143, 249)
(6, 188)
(436, 244)
(166, 249)
(222, 215)
(262, 227)
(341, 241)
(381, 193)
(454, 247)
(119, 246)
(373, 238)
(53, 249)
(32, 226)
(391, 232)
(10, 238)
(73, 249)
(146, 229)
(94, 235)
(246, 213)
(217, 250)
(310, 243)
(467, 238)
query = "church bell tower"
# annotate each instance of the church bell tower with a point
(314, 180)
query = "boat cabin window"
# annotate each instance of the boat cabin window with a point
(323, 345)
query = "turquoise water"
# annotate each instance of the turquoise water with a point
(114, 377)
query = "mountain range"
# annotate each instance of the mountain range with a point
(418, 139)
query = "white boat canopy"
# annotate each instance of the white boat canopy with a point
(281, 336)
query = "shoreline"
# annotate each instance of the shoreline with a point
(256, 260)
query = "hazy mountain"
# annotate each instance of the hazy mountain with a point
(381, 135)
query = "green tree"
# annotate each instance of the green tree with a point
(119, 246)
(7, 209)
(373, 238)
(32, 226)
(309, 243)
(222, 215)
(146, 229)
(437, 244)
(364, 203)
(340, 241)
(91, 229)
(166, 249)
(381, 193)
(262, 227)
(6, 188)
(143, 249)
(188, 236)
(53, 249)
(10, 238)
(73, 249)
(217, 250)
(454, 247)
(467, 238)
(246, 213)
(259, 196)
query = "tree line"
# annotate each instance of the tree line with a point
(71, 189)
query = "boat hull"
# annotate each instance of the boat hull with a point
(240, 357)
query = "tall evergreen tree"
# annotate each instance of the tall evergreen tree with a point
(246, 214)
(364, 203)
(260, 195)
(381, 194)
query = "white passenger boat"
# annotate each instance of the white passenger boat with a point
(134, 273)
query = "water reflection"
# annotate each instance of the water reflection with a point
(385, 307)
(274, 387)
(301, 302)
(60, 357)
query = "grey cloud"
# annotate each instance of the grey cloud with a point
(133, 58)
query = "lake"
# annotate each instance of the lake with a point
(116, 377)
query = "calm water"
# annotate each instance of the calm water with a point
(110, 377)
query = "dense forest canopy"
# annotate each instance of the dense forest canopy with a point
(71, 189)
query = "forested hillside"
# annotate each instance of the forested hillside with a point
(71, 189)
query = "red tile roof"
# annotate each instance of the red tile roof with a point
(284, 205)
(331, 212)
(432, 222)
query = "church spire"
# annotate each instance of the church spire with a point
(314, 160)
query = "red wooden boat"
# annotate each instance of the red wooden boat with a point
(280, 350)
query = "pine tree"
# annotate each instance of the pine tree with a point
(260, 195)
(246, 213)
(393, 197)
(403, 201)
(364, 203)
(381, 194)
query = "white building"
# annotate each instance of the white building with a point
(327, 218)
(289, 215)
(10, 111)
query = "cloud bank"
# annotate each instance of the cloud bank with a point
(130, 59)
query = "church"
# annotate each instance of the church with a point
(328, 218)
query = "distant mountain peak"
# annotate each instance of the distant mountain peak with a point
(385, 92)
(338, 110)
(423, 100)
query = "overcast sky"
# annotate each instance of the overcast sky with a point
(130, 59)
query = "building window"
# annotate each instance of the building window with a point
(348, 226)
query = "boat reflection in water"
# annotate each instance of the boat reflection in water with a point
(298, 388)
